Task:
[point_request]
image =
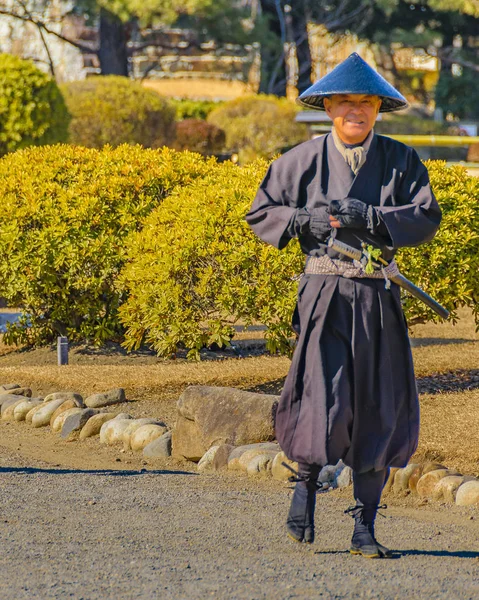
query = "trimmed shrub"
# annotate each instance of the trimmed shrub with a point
(115, 110)
(193, 109)
(32, 109)
(259, 126)
(447, 267)
(66, 213)
(197, 267)
(199, 136)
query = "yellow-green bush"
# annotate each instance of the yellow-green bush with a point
(258, 126)
(448, 266)
(115, 110)
(32, 109)
(193, 109)
(66, 213)
(196, 268)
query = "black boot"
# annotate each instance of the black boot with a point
(363, 541)
(300, 521)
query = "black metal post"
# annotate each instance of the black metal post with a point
(62, 350)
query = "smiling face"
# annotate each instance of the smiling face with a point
(353, 115)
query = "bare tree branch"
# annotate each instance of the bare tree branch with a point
(42, 36)
(46, 29)
(444, 56)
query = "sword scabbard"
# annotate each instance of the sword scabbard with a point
(399, 279)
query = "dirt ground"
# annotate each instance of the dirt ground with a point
(125, 533)
(110, 524)
(446, 359)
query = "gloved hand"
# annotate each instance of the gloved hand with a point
(319, 223)
(349, 212)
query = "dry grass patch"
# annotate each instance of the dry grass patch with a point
(449, 431)
(158, 386)
(444, 358)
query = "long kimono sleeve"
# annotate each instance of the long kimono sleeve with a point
(276, 215)
(415, 217)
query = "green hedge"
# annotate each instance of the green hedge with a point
(32, 109)
(196, 268)
(66, 215)
(259, 126)
(448, 266)
(116, 110)
(151, 247)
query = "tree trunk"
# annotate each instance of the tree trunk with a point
(299, 27)
(273, 64)
(112, 52)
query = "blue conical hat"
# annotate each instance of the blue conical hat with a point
(353, 76)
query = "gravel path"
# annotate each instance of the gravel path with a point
(105, 534)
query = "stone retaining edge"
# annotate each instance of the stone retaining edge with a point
(428, 480)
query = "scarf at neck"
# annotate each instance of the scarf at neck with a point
(354, 156)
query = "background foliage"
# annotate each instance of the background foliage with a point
(199, 136)
(193, 109)
(258, 126)
(115, 110)
(32, 109)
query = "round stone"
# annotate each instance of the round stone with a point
(132, 427)
(468, 493)
(279, 471)
(7, 414)
(111, 432)
(390, 482)
(206, 461)
(401, 479)
(446, 488)
(260, 464)
(22, 409)
(63, 416)
(62, 408)
(94, 424)
(415, 477)
(44, 413)
(249, 455)
(140, 438)
(77, 398)
(427, 483)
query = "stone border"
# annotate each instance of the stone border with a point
(69, 415)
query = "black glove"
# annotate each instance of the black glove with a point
(319, 224)
(350, 212)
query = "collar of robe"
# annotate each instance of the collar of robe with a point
(355, 156)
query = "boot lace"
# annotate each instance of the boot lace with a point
(297, 477)
(357, 510)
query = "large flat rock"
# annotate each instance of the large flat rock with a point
(211, 416)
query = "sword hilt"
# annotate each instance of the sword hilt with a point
(345, 249)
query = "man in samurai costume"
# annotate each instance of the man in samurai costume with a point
(350, 392)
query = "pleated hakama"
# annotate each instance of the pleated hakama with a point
(350, 392)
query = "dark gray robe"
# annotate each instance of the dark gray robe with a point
(350, 393)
